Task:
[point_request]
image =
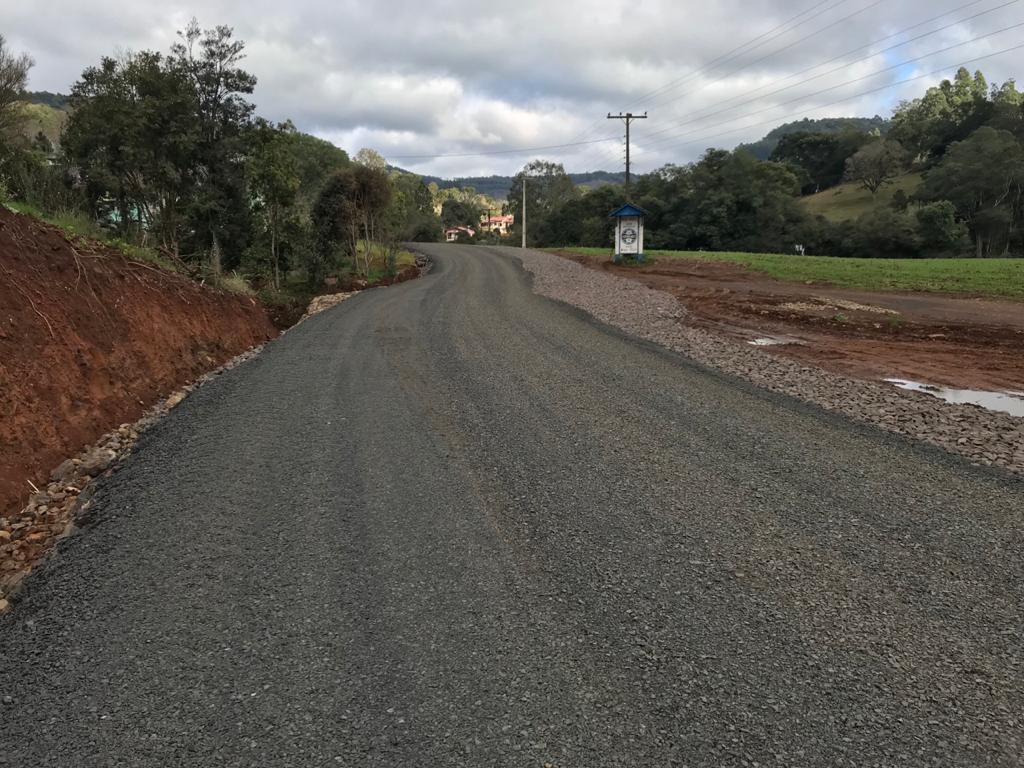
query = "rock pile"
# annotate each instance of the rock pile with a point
(325, 302)
(985, 437)
(53, 512)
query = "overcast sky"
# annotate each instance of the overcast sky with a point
(449, 76)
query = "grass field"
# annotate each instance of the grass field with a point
(848, 201)
(979, 277)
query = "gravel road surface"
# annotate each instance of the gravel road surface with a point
(454, 523)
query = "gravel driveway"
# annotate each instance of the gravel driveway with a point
(453, 523)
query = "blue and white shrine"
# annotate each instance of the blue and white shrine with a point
(629, 233)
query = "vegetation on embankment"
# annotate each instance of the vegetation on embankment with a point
(90, 337)
(138, 156)
(973, 277)
(849, 201)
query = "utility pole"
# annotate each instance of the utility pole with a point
(524, 210)
(627, 118)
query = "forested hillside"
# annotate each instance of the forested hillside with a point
(763, 149)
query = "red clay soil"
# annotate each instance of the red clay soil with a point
(965, 342)
(89, 339)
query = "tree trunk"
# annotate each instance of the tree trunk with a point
(215, 266)
(273, 257)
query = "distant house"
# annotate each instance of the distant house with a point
(454, 234)
(499, 224)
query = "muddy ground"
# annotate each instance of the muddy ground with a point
(957, 341)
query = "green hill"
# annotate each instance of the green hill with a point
(763, 149)
(42, 118)
(848, 201)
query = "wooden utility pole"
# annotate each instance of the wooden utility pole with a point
(628, 118)
(524, 210)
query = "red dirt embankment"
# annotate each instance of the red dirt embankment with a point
(89, 339)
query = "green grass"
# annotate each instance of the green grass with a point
(848, 201)
(978, 277)
(80, 227)
(403, 258)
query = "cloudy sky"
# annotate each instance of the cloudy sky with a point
(450, 78)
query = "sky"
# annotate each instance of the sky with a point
(434, 84)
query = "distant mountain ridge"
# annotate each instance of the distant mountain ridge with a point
(498, 187)
(763, 149)
(54, 100)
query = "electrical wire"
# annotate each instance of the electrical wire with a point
(845, 99)
(845, 64)
(928, 55)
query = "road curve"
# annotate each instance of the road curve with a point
(452, 523)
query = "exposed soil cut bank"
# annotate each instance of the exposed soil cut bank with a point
(89, 339)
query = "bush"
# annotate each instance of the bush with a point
(234, 283)
(940, 232)
(885, 233)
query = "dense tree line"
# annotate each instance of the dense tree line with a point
(167, 151)
(966, 140)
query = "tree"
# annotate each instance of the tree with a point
(13, 79)
(275, 185)
(219, 209)
(876, 164)
(547, 187)
(820, 157)
(350, 216)
(885, 233)
(133, 133)
(949, 112)
(983, 176)
(460, 213)
(412, 210)
(371, 158)
(939, 229)
(316, 161)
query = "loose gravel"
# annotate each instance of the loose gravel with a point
(985, 437)
(60, 508)
(457, 524)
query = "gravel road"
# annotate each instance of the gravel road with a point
(454, 523)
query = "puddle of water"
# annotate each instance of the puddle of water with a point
(773, 341)
(1005, 402)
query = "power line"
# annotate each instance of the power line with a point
(773, 53)
(723, 58)
(521, 150)
(854, 96)
(834, 58)
(658, 142)
(846, 64)
(726, 56)
(731, 54)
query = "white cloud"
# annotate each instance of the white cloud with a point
(451, 77)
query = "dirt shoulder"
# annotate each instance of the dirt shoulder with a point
(89, 339)
(964, 342)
